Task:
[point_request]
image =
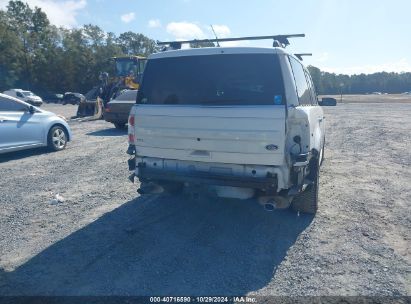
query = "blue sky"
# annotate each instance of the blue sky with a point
(345, 36)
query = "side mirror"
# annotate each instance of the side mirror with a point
(32, 110)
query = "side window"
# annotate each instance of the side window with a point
(314, 91)
(303, 90)
(19, 94)
(311, 86)
(11, 105)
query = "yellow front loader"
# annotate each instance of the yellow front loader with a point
(128, 73)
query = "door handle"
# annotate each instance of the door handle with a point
(320, 119)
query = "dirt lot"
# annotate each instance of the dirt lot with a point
(105, 240)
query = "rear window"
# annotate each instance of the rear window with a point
(128, 95)
(224, 79)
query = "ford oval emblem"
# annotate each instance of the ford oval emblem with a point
(271, 147)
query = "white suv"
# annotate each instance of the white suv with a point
(26, 96)
(237, 122)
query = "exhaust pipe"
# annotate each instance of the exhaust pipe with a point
(270, 203)
(269, 206)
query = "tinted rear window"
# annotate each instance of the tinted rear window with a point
(128, 95)
(224, 79)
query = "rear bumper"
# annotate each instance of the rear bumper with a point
(268, 183)
(35, 103)
(116, 117)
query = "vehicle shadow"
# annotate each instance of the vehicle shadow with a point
(164, 246)
(23, 154)
(108, 132)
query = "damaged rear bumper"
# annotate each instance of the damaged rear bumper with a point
(268, 183)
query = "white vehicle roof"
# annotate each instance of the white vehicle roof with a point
(11, 97)
(19, 90)
(217, 50)
(16, 90)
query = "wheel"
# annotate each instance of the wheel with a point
(57, 138)
(120, 126)
(307, 201)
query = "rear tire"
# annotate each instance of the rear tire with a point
(57, 138)
(307, 201)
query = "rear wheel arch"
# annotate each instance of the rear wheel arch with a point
(307, 201)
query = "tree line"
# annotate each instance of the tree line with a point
(330, 83)
(41, 57)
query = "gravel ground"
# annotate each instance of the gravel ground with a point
(105, 240)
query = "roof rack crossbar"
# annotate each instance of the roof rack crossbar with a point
(283, 39)
(300, 55)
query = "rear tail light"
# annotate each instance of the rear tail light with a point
(131, 120)
(131, 137)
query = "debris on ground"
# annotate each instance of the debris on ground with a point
(57, 199)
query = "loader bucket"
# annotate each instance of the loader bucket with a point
(92, 109)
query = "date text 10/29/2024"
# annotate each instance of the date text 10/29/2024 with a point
(203, 299)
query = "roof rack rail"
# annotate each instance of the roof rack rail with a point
(300, 55)
(278, 40)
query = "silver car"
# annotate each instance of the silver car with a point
(23, 126)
